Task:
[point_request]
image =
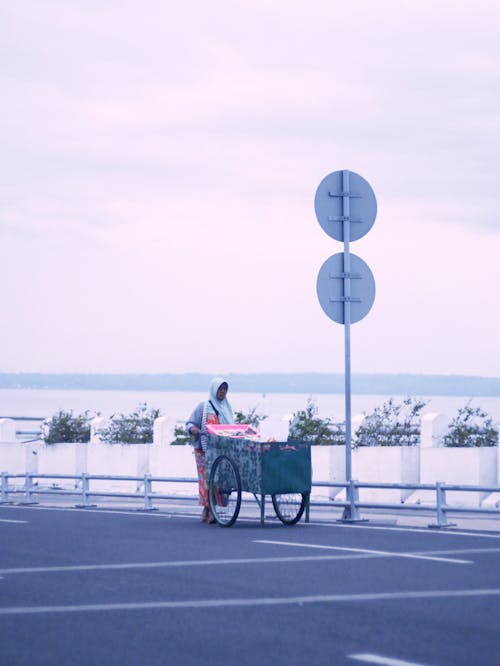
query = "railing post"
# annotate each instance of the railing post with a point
(28, 489)
(85, 493)
(148, 489)
(351, 511)
(5, 489)
(441, 517)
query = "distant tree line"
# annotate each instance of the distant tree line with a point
(307, 383)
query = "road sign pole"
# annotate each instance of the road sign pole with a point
(347, 320)
(346, 208)
(351, 511)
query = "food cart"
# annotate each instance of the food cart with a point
(237, 461)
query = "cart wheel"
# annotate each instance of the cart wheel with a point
(289, 507)
(224, 491)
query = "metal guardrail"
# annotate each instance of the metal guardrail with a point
(82, 490)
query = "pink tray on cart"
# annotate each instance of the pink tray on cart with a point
(239, 430)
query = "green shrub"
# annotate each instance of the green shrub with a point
(307, 426)
(471, 427)
(392, 424)
(181, 437)
(252, 418)
(134, 428)
(64, 426)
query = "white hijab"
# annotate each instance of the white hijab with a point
(224, 409)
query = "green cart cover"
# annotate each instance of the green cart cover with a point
(266, 468)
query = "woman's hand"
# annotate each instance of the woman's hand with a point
(194, 431)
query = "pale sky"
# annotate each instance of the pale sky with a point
(160, 160)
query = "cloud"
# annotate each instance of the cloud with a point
(160, 165)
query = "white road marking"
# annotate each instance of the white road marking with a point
(382, 661)
(466, 551)
(379, 553)
(259, 601)
(183, 563)
(225, 561)
(5, 520)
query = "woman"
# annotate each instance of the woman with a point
(214, 410)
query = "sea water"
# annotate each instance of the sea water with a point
(177, 405)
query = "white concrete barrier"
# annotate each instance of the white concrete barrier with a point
(117, 460)
(433, 427)
(7, 430)
(275, 429)
(63, 458)
(375, 464)
(173, 461)
(95, 425)
(382, 464)
(338, 462)
(337, 470)
(459, 466)
(493, 500)
(162, 431)
(321, 470)
(18, 458)
(425, 464)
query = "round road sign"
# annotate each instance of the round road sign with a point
(334, 204)
(332, 292)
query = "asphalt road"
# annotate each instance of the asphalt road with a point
(112, 587)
